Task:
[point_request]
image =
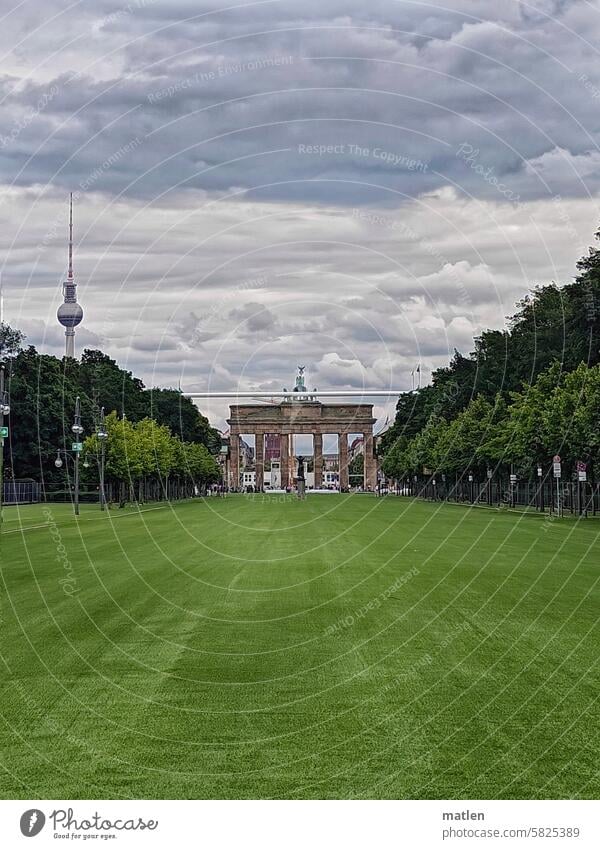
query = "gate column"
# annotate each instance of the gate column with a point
(259, 461)
(284, 455)
(343, 461)
(370, 462)
(318, 459)
(234, 459)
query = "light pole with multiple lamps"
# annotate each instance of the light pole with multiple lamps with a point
(4, 411)
(77, 446)
(102, 435)
(76, 450)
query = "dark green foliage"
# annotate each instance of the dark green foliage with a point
(554, 332)
(10, 341)
(115, 388)
(170, 407)
(42, 394)
(356, 469)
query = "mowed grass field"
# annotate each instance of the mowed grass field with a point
(340, 647)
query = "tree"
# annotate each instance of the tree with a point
(570, 416)
(411, 417)
(156, 448)
(170, 407)
(143, 457)
(43, 389)
(461, 448)
(100, 377)
(11, 341)
(115, 388)
(393, 462)
(124, 458)
(42, 406)
(538, 375)
(199, 465)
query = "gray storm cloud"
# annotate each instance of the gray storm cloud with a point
(360, 188)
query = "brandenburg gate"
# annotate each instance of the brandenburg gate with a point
(301, 413)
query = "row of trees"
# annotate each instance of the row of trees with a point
(43, 389)
(522, 395)
(144, 457)
(558, 414)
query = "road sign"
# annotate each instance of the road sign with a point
(513, 478)
(77, 447)
(556, 466)
(581, 466)
(556, 458)
(582, 476)
(3, 433)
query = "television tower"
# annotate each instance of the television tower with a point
(70, 313)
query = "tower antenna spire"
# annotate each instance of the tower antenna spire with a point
(70, 274)
(69, 312)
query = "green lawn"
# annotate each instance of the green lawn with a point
(344, 646)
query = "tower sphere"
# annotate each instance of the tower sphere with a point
(69, 314)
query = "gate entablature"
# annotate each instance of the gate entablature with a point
(301, 413)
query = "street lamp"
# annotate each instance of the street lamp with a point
(77, 429)
(102, 435)
(4, 411)
(76, 450)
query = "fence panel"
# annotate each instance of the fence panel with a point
(21, 492)
(570, 497)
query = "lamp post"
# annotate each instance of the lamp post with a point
(76, 450)
(102, 435)
(77, 431)
(4, 411)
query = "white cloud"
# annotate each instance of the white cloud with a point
(209, 249)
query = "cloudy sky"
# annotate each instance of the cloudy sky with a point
(354, 187)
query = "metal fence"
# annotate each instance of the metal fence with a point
(548, 495)
(21, 492)
(31, 492)
(119, 494)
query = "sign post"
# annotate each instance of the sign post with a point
(581, 482)
(557, 468)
